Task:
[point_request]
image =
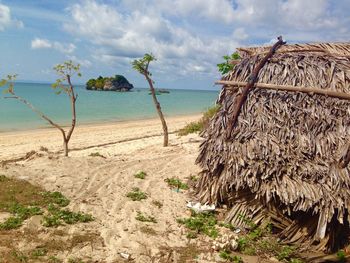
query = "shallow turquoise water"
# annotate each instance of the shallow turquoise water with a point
(96, 106)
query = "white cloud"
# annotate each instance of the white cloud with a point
(83, 62)
(216, 10)
(191, 36)
(120, 35)
(6, 19)
(64, 48)
(39, 43)
(240, 33)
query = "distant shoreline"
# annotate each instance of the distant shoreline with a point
(92, 124)
(96, 124)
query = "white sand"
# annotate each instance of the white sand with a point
(99, 185)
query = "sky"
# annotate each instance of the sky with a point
(188, 37)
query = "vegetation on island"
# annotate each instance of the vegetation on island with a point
(116, 83)
(63, 84)
(141, 65)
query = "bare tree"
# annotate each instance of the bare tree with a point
(141, 65)
(65, 71)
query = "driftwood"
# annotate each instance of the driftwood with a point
(251, 81)
(285, 160)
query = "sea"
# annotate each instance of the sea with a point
(96, 106)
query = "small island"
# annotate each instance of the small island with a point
(116, 83)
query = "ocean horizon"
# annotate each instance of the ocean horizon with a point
(95, 107)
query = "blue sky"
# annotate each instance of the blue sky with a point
(188, 37)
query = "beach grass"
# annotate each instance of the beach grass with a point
(140, 175)
(176, 183)
(136, 194)
(199, 126)
(145, 218)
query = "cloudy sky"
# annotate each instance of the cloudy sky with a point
(188, 37)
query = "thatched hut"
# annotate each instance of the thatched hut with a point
(285, 160)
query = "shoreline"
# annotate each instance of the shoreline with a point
(15, 144)
(93, 124)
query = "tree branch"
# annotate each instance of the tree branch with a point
(42, 115)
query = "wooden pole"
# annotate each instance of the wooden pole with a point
(309, 90)
(251, 81)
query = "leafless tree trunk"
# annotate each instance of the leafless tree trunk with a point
(159, 110)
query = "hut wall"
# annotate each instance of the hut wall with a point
(286, 146)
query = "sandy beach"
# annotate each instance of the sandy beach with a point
(93, 137)
(98, 185)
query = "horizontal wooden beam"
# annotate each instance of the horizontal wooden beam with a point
(309, 90)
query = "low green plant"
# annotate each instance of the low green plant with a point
(136, 194)
(53, 259)
(20, 256)
(200, 223)
(24, 212)
(11, 223)
(341, 256)
(259, 240)
(192, 127)
(20, 213)
(140, 175)
(56, 198)
(226, 225)
(57, 216)
(200, 125)
(176, 183)
(145, 218)
(39, 252)
(286, 253)
(3, 178)
(194, 178)
(229, 257)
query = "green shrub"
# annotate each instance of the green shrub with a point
(227, 66)
(11, 223)
(39, 252)
(176, 183)
(136, 194)
(341, 255)
(57, 216)
(200, 125)
(145, 218)
(140, 175)
(20, 213)
(229, 257)
(56, 198)
(200, 223)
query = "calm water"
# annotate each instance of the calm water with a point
(96, 106)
